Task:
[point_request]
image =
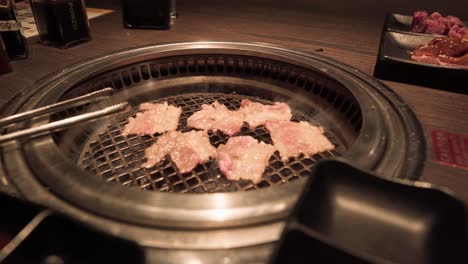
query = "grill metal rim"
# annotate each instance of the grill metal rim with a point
(286, 54)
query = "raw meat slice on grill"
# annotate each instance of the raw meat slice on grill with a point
(451, 51)
(217, 117)
(244, 157)
(293, 138)
(187, 150)
(154, 118)
(256, 114)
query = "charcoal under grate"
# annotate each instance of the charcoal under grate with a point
(119, 159)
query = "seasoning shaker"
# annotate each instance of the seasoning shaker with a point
(61, 23)
(143, 14)
(5, 65)
(11, 31)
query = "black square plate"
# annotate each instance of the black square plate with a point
(394, 61)
(347, 215)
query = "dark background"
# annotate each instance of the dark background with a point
(364, 8)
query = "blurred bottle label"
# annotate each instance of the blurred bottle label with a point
(74, 20)
(9, 25)
(11, 31)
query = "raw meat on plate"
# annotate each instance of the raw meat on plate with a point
(419, 21)
(438, 24)
(443, 51)
(187, 150)
(293, 138)
(244, 158)
(256, 114)
(154, 118)
(217, 117)
(458, 32)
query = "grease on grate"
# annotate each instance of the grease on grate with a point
(119, 159)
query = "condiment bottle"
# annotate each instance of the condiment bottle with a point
(4, 61)
(11, 32)
(143, 14)
(61, 23)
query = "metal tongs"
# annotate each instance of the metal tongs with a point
(57, 107)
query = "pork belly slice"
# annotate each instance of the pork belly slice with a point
(293, 138)
(187, 150)
(154, 118)
(217, 117)
(244, 157)
(256, 114)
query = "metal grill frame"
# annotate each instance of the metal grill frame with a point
(252, 217)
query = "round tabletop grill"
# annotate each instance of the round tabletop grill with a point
(93, 172)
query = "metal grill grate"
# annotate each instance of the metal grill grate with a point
(118, 158)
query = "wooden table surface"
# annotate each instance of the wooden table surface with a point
(350, 39)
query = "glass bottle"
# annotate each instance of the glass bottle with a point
(61, 23)
(11, 32)
(4, 61)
